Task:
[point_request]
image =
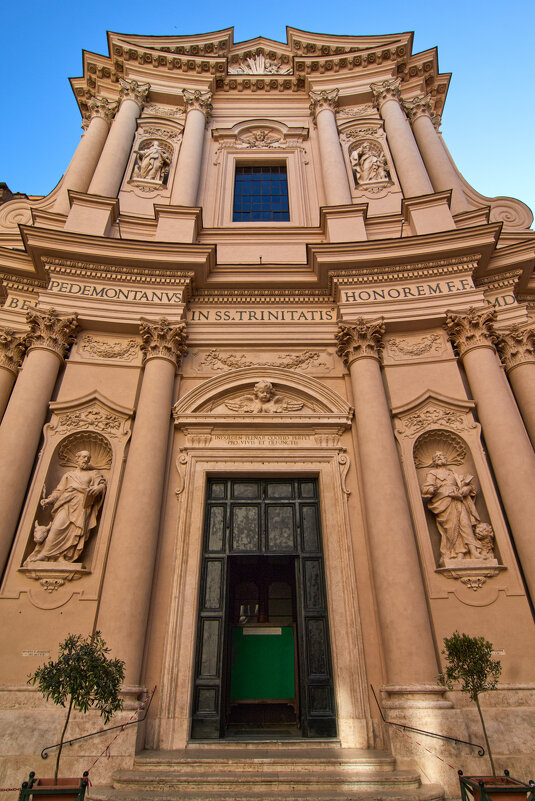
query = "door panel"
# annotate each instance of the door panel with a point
(262, 518)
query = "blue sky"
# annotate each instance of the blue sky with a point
(488, 122)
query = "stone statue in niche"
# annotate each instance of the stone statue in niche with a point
(369, 164)
(264, 401)
(450, 497)
(152, 163)
(74, 508)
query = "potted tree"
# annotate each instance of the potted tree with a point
(470, 664)
(82, 678)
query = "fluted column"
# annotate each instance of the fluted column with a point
(506, 438)
(517, 349)
(111, 165)
(439, 167)
(126, 593)
(22, 424)
(12, 350)
(80, 171)
(197, 106)
(333, 168)
(401, 602)
(409, 164)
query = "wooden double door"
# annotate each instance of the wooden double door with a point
(263, 662)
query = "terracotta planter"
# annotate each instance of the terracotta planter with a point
(494, 788)
(66, 789)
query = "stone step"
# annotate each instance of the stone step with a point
(426, 792)
(267, 777)
(257, 759)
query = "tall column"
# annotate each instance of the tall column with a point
(124, 605)
(333, 168)
(409, 165)
(517, 349)
(12, 350)
(80, 171)
(111, 165)
(197, 106)
(440, 169)
(405, 626)
(22, 424)
(507, 441)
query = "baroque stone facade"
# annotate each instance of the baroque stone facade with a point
(266, 368)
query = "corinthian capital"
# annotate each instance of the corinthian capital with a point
(363, 338)
(386, 90)
(133, 90)
(516, 346)
(327, 98)
(194, 98)
(12, 349)
(101, 107)
(419, 106)
(475, 329)
(50, 331)
(161, 340)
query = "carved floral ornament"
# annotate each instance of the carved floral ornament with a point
(197, 99)
(12, 349)
(386, 90)
(474, 329)
(98, 106)
(259, 64)
(49, 330)
(363, 338)
(215, 360)
(516, 346)
(125, 350)
(418, 106)
(134, 90)
(162, 340)
(326, 98)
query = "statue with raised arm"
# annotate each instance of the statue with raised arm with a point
(450, 497)
(75, 503)
(151, 163)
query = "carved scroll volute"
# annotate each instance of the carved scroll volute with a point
(134, 90)
(516, 346)
(161, 340)
(361, 339)
(418, 106)
(323, 99)
(199, 100)
(50, 331)
(475, 329)
(386, 90)
(12, 349)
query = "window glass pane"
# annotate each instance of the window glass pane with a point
(261, 193)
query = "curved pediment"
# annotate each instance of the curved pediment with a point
(286, 393)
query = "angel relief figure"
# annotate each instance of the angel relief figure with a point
(74, 508)
(259, 137)
(264, 401)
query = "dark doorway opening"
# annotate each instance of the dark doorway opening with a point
(263, 659)
(262, 695)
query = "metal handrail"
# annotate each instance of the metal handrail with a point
(480, 752)
(44, 752)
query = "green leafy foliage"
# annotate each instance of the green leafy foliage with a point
(83, 677)
(470, 663)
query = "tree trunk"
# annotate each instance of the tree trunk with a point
(486, 737)
(60, 749)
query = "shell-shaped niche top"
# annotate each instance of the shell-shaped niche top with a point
(431, 442)
(97, 446)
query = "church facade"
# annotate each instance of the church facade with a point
(267, 378)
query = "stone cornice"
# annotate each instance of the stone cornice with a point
(260, 296)
(110, 272)
(161, 340)
(361, 339)
(474, 329)
(404, 272)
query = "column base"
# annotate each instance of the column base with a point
(91, 214)
(178, 223)
(344, 223)
(428, 214)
